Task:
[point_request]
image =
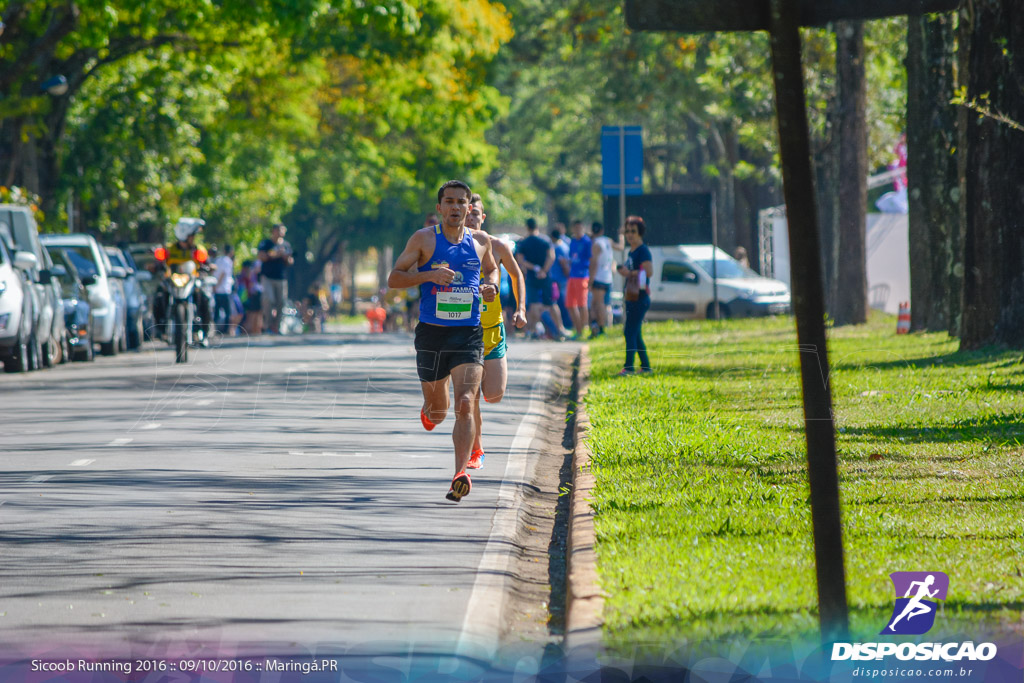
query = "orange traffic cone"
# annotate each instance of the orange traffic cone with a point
(903, 319)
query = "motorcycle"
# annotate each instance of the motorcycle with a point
(181, 300)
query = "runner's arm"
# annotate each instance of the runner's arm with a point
(489, 267)
(401, 277)
(518, 285)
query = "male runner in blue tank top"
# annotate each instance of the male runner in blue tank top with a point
(451, 263)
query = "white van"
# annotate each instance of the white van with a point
(681, 286)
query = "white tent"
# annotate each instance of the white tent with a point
(888, 260)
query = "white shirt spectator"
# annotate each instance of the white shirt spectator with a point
(225, 275)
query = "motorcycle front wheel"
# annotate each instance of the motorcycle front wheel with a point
(181, 332)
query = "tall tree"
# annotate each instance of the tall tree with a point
(391, 129)
(993, 303)
(852, 280)
(80, 39)
(932, 173)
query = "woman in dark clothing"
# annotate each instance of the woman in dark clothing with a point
(639, 263)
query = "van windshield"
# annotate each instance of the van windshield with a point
(727, 268)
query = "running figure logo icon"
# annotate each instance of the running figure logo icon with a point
(914, 613)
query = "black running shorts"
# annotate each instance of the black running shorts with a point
(439, 349)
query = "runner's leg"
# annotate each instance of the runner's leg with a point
(466, 383)
(495, 379)
(435, 400)
(478, 420)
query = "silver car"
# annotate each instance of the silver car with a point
(106, 294)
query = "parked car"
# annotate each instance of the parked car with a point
(77, 311)
(18, 225)
(16, 312)
(681, 285)
(137, 301)
(106, 294)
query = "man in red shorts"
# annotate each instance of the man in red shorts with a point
(579, 277)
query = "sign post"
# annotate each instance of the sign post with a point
(783, 19)
(622, 164)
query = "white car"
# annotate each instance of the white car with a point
(105, 296)
(682, 286)
(15, 310)
(18, 226)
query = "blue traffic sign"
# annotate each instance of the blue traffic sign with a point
(622, 171)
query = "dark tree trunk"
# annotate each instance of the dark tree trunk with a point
(826, 185)
(852, 292)
(932, 174)
(993, 312)
(826, 176)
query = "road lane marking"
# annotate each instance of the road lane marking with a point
(179, 413)
(84, 462)
(40, 477)
(151, 425)
(331, 454)
(204, 402)
(120, 442)
(479, 636)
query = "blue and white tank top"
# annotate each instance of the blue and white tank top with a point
(457, 304)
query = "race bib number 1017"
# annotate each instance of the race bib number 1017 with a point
(454, 305)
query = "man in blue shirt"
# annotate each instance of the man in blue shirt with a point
(560, 272)
(579, 276)
(455, 270)
(536, 257)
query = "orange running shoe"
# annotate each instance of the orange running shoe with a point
(461, 486)
(476, 460)
(427, 424)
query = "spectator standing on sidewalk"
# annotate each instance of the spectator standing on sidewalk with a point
(275, 255)
(560, 273)
(637, 271)
(252, 297)
(222, 308)
(580, 250)
(602, 260)
(536, 256)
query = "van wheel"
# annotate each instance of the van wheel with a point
(723, 311)
(109, 348)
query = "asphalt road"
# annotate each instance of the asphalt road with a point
(270, 495)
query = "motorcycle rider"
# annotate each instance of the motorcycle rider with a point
(187, 248)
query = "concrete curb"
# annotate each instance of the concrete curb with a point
(584, 599)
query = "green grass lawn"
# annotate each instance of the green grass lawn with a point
(702, 516)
